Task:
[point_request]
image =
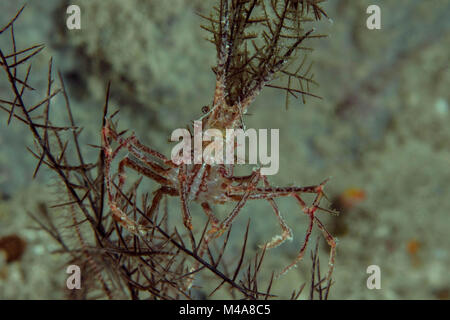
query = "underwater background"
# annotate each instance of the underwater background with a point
(381, 132)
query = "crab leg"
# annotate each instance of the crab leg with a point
(287, 232)
(310, 213)
(113, 197)
(118, 214)
(332, 243)
(187, 220)
(218, 231)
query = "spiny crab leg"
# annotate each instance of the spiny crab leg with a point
(117, 213)
(287, 232)
(158, 196)
(187, 220)
(208, 211)
(110, 154)
(218, 231)
(310, 211)
(269, 193)
(332, 243)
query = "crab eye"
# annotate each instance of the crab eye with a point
(205, 109)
